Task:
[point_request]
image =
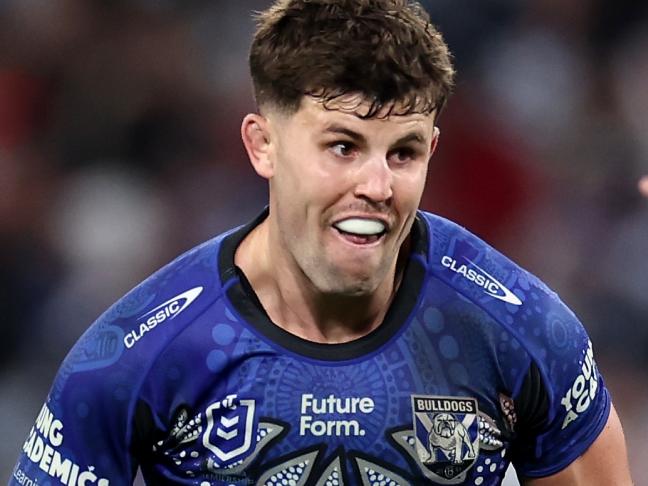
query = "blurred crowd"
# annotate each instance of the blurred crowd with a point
(120, 148)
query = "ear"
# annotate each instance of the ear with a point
(255, 132)
(435, 140)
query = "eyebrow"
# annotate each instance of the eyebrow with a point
(335, 128)
(414, 136)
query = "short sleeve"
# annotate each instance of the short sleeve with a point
(80, 435)
(578, 404)
(91, 431)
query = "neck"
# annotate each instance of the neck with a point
(293, 303)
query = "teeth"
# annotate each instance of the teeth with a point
(360, 226)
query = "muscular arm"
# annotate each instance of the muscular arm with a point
(605, 463)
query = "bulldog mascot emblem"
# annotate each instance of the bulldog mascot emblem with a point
(447, 436)
(450, 436)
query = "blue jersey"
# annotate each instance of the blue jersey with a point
(476, 365)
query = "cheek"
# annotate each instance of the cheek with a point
(289, 184)
(311, 182)
(408, 187)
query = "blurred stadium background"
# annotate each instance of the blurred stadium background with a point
(119, 148)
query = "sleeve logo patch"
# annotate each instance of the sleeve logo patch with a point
(580, 395)
(477, 275)
(163, 312)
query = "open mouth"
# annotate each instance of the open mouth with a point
(361, 231)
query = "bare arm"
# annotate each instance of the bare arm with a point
(643, 185)
(605, 463)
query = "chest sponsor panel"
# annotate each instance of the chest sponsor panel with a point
(236, 440)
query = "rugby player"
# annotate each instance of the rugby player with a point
(343, 336)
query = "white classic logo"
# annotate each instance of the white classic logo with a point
(311, 407)
(481, 277)
(580, 395)
(168, 310)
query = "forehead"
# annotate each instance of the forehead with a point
(352, 109)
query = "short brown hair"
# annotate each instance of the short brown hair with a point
(387, 50)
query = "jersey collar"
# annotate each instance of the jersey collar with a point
(242, 298)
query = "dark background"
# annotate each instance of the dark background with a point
(120, 148)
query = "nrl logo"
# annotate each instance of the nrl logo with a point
(446, 433)
(229, 431)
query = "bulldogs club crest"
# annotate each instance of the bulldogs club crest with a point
(229, 431)
(447, 436)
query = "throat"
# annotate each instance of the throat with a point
(295, 304)
(340, 322)
(326, 318)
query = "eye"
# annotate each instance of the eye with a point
(402, 155)
(343, 149)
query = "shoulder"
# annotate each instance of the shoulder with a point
(141, 324)
(522, 305)
(560, 355)
(173, 296)
(97, 390)
(486, 277)
(479, 272)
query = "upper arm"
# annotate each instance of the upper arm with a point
(577, 412)
(604, 463)
(82, 431)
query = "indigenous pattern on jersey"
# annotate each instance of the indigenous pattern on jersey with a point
(476, 365)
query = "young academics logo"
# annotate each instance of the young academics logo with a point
(165, 311)
(446, 433)
(481, 277)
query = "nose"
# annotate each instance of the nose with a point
(375, 180)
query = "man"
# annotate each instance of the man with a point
(342, 337)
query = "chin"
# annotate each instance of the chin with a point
(352, 285)
(351, 291)
(347, 278)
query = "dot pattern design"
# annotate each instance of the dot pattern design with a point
(290, 476)
(332, 475)
(485, 473)
(376, 475)
(294, 472)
